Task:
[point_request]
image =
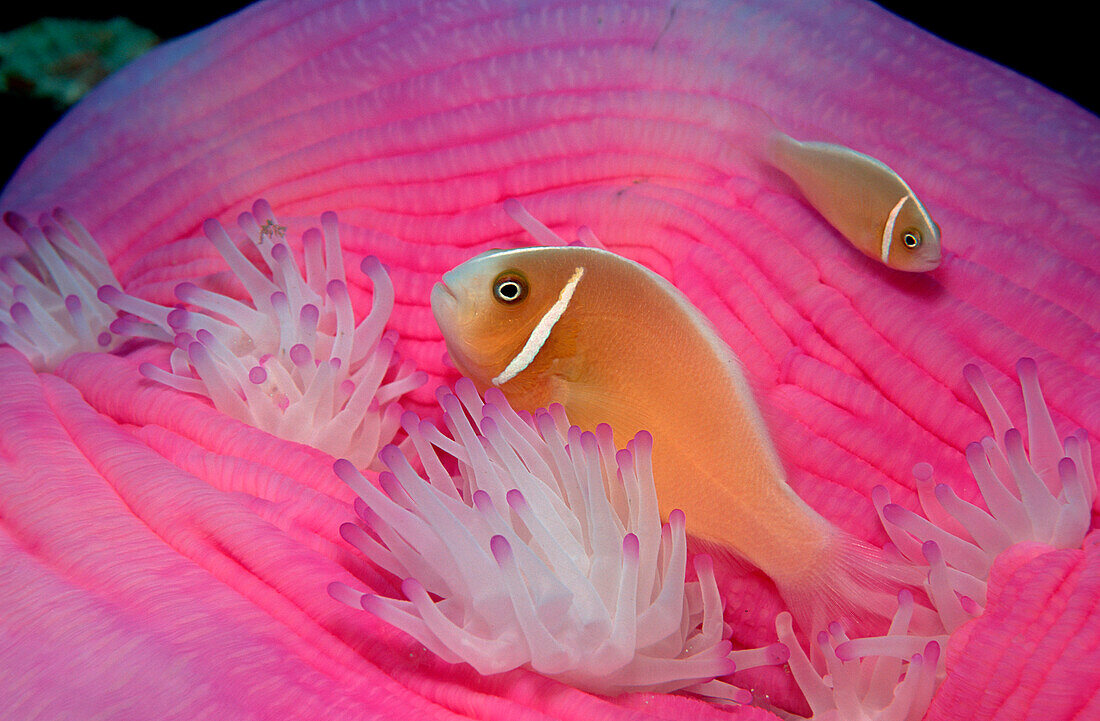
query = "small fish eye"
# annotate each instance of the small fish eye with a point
(911, 238)
(510, 288)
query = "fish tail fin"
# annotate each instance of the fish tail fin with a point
(854, 583)
(781, 151)
(749, 128)
(768, 139)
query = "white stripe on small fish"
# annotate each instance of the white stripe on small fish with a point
(541, 331)
(888, 231)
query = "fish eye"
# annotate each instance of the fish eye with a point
(911, 238)
(510, 287)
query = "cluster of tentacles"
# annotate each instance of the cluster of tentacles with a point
(292, 361)
(1043, 493)
(48, 304)
(547, 553)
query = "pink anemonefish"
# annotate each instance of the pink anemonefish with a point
(615, 343)
(862, 198)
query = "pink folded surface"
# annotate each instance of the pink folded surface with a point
(160, 560)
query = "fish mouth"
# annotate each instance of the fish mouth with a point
(446, 281)
(445, 308)
(442, 287)
(930, 263)
(444, 303)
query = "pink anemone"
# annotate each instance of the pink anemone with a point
(162, 560)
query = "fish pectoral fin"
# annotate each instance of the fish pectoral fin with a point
(591, 404)
(559, 375)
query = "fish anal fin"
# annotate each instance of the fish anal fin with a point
(853, 583)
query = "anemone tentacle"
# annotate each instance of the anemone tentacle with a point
(292, 362)
(1043, 494)
(48, 304)
(546, 552)
(886, 677)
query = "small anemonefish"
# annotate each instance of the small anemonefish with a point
(862, 198)
(615, 343)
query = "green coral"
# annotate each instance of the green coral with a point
(63, 59)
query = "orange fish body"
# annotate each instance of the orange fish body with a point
(615, 343)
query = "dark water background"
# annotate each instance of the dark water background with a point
(1053, 44)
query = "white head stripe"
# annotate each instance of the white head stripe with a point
(541, 331)
(888, 231)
